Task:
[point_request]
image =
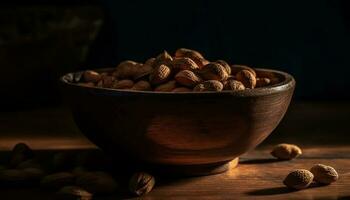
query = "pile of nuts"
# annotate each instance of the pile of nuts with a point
(186, 71)
(302, 178)
(70, 176)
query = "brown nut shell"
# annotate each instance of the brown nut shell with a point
(181, 89)
(126, 69)
(247, 78)
(123, 84)
(237, 68)
(324, 174)
(213, 71)
(225, 65)
(91, 76)
(160, 75)
(194, 55)
(184, 63)
(261, 82)
(211, 85)
(286, 151)
(166, 87)
(162, 59)
(298, 179)
(141, 183)
(187, 78)
(142, 86)
(233, 85)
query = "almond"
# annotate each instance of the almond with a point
(192, 54)
(211, 85)
(213, 71)
(247, 78)
(57, 180)
(141, 183)
(184, 64)
(126, 69)
(225, 65)
(73, 192)
(237, 68)
(108, 81)
(97, 182)
(160, 75)
(123, 84)
(202, 62)
(181, 89)
(187, 78)
(150, 61)
(142, 86)
(324, 174)
(166, 87)
(91, 76)
(298, 179)
(89, 84)
(286, 151)
(162, 59)
(142, 70)
(261, 82)
(234, 85)
(20, 153)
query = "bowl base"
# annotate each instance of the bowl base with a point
(197, 170)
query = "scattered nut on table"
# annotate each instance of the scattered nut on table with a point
(324, 174)
(73, 193)
(141, 183)
(298, 179)
(97, 182)
(286, 151)
(57, 180)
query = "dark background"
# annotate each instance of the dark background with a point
(41, 40)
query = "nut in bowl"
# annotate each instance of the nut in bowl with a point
(190, 131)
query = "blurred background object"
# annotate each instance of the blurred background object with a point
(39, 43)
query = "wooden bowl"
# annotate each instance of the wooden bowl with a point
(196, 133)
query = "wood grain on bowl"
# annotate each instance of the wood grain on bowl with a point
(179, 129)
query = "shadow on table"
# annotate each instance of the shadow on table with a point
(260, 161)
(278, 190)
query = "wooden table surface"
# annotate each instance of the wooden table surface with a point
(258, 175)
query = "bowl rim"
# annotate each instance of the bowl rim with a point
(287, 84)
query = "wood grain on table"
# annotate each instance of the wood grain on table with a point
(258, 176)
